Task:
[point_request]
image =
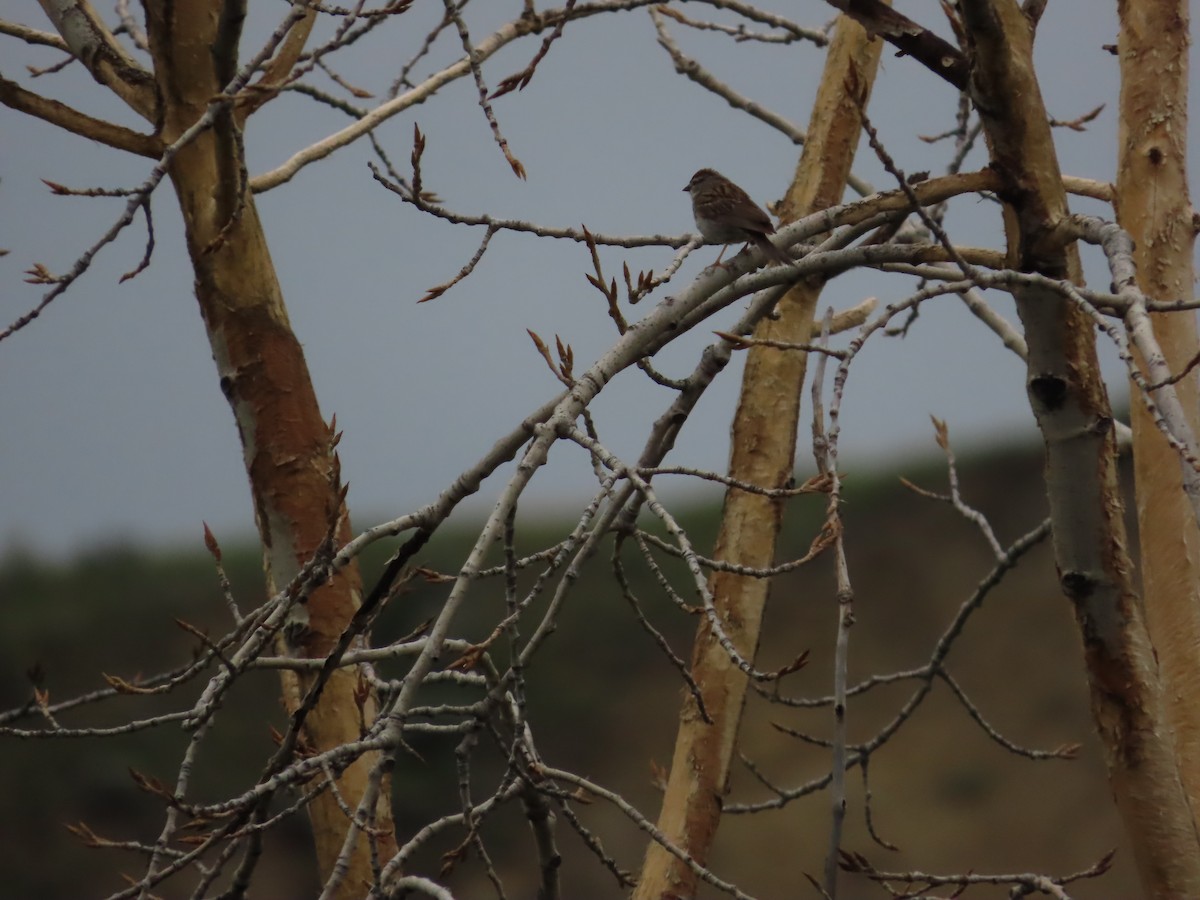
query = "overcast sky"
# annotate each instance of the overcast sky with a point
(115, 429)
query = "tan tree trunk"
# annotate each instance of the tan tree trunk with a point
(287, 445)
(763, 453)
(288, 448)
(1153, 205)
(1069, 400)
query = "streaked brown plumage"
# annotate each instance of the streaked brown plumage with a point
(725, 214)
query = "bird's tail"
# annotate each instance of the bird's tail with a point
(764, 243)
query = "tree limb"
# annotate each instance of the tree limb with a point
(917, 41)
(16, 97)
(278, 69)
(90, 41)
(503, 35)
(33, 35)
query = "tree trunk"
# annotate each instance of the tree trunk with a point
(287, 446)
(1153, 206)
(763, 453)
(1070, 403)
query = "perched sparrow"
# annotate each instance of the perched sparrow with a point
(725, 214)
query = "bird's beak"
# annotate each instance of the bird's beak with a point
(685, 190)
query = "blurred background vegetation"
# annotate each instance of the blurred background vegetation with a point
(604, 702)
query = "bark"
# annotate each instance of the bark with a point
(1069, 401)
(908, 37)
(16, 97)
(279, 67)
(287, 446)
(763, 453)
(1153, 206)
(90, 41)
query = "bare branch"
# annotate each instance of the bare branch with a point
(33, 35)
(90, 41)
(16, 97)
(909, 38)
(279, 67)
(499, 38)
(520, 80)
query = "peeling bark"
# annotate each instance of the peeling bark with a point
(1153, 205)
(287, 446)
(1070, 403)
(90, 41)
(763, 453)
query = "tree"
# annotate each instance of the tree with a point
(183, 70)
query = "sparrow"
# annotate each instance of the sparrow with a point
(725, 214)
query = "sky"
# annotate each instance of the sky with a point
(114, 427)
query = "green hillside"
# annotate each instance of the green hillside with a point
(605, 701)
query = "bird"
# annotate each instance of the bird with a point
(725, 214)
